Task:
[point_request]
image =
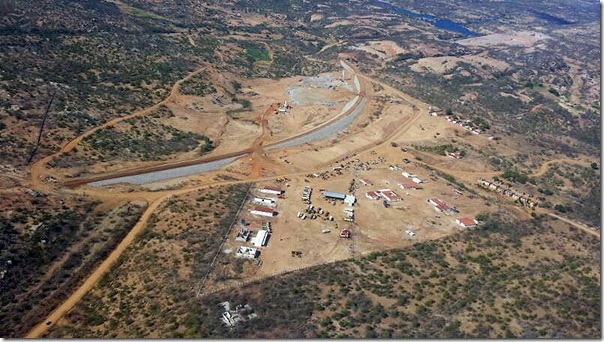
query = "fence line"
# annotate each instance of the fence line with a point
(226, 236)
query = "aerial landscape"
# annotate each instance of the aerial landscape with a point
(300, 169)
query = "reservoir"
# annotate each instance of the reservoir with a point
(444, 24)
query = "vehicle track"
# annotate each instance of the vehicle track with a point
(202, 160)
(155, 199)
(39, 167)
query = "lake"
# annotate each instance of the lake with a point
(444, 24)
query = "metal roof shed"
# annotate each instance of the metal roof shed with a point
(260, 239)
(334, 195)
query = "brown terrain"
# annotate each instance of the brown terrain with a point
(451, 110)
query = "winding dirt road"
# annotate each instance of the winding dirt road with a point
(38, 168)
(545, 166)
(155, 199)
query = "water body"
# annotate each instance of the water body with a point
(444, 24)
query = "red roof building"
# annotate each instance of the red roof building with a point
(263, 211)
(466, 222)
(345, 233)
(439, 205)
(366, 182)
(389, 195)
(372, 195)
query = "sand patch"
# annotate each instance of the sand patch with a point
(440, 65)
(524, 38)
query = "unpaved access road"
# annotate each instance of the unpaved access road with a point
(39, 167)
(158, 172)
(155, 200)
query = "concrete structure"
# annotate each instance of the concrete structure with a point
(333, 195)
(283, 108)
(260, 211)
(349, 213)
(243, 235)
(389, 195)
(241, 313)
(350, 200)
(272, 190)
(246, 253)
(467, 222)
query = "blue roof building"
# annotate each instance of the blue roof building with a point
(334, 195)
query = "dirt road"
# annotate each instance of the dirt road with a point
(155, 199)
(172, 165)
(545, 166)
(581, 226)
(89, 283)
(39, 167)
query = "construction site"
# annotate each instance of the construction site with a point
(332, 178)
(319, 218)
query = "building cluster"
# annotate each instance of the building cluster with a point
(284, 108)
(435, 111)
(470, 125)
(241, 313)
(507, 190)
(339, 169)
(349, 200)
(390, 195)
(455, 154)
(265, 207)
(412, 177)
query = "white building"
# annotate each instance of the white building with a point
(272, 190)
(389, 195)
(350, 200)
(416, 180)
(260, 239)
(246, 253)
(265, 201)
